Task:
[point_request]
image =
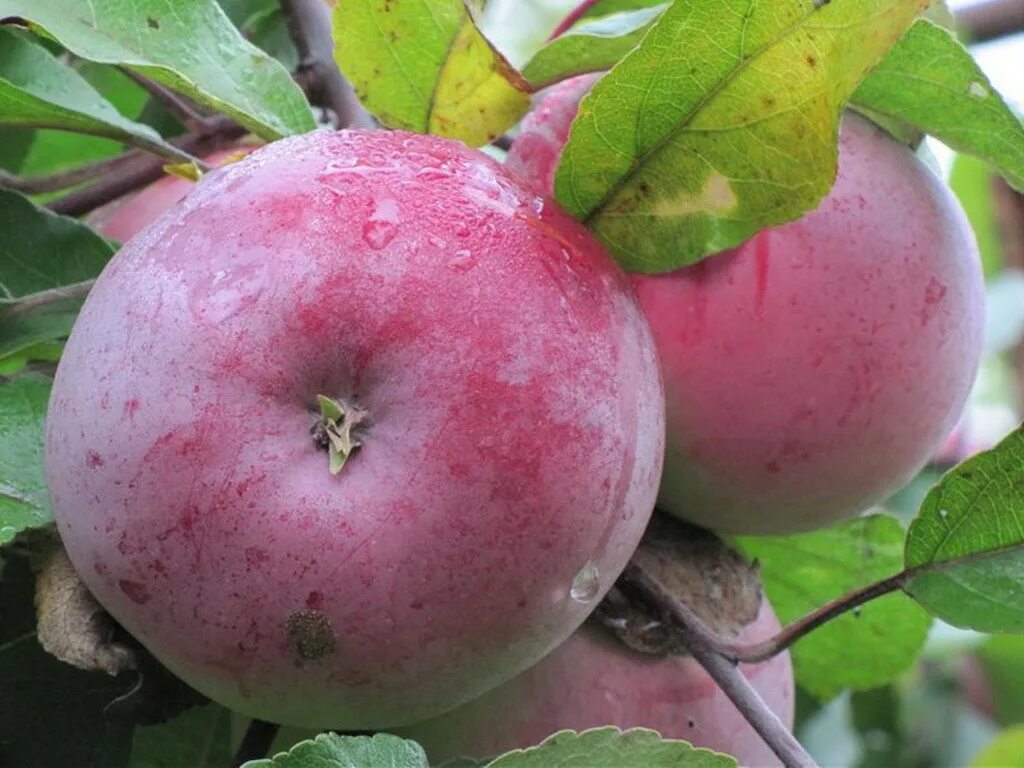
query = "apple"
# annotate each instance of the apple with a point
(593, 680)
(813, 370)
(122, 218)
(357, 431)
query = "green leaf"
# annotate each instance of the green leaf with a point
(424, 66)
(15, 144)
(971, 526)
(46, 350)
(51, 714)
(21, 333)
(592, 46)
(197, 738)
(268, 28)
(37, 91)
(612, 748)
(858, 650)
(188, 45)
(24, 499)
(971, 181)
(608, 7)
(931, 82)
(41, 251)
(1005, 751)
(723, 121)
(330, 749)
(1002, 660)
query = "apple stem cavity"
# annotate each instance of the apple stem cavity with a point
(333, 431)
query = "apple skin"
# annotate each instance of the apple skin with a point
(122, 218)
(515, 433)
(593, 680)
(812, 371)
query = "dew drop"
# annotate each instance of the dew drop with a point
(382, 226)
(943, 513)
(462, 261)
(977, 90)
(587, 584)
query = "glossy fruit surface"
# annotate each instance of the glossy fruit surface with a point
(812, 371)
(509, 409)
(593, 680)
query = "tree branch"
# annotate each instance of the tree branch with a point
(991, 19)
(309, 22)
(256, 743)
(145, 169)
(53, 182)
(699, 641)
(41, 298)
(177, 105)
(758, 652)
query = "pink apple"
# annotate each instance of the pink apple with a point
(812, 371)
(593, 680)
(125, 216)
(488, 355)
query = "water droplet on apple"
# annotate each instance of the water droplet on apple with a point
(228, 292)
(462, 261)
(382, 226)
(587, 584)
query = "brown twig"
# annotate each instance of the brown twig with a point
(786, 637)
(758, 652)
(145, 169)
(256, 743)
(701, 643)
(176, 104)
(53, 182)
(309, 22)
(991, 19)
(42, 298)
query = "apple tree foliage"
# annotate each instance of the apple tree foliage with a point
(736, 102)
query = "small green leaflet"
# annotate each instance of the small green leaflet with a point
(41, 251)
(37, 91)
(591, 46)
(802, 572)
(610, 747)
(969, 541)
(1004, 751)
(24, 500)
(188, 45)
(931, 82)
(723, 121)
(330, 749)
(424, 66)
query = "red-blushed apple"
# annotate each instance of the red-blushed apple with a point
(399, 293)
(593, 680)
(812, 371)
(122, 218)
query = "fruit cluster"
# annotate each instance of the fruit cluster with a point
(365, 425)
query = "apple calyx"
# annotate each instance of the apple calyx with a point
(333, 431)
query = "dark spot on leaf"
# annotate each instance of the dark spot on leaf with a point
(152, 23)
(812, 60)
(311, 635)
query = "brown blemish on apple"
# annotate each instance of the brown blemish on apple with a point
(312, 635)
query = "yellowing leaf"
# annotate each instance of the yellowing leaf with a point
(424, 66)
(722, 122)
